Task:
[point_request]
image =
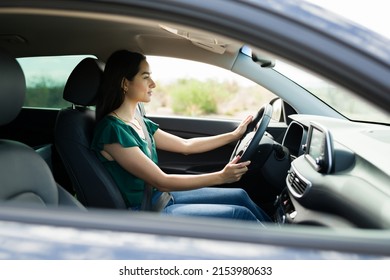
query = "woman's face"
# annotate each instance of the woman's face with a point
(140, 88)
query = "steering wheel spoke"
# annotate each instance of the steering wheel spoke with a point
(246, 147)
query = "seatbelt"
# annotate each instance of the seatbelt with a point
(146, 204)
(165, 197)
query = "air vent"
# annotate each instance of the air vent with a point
(296, 183)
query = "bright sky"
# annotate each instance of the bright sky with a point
(373, 14)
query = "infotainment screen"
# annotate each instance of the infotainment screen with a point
(317, 143)
(319, 148)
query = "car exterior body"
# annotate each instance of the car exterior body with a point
(352, 223)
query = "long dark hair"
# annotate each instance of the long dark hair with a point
(121, 64)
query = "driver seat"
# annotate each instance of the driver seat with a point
(74, 128)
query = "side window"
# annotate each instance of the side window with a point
(46, 78)
(192, 89)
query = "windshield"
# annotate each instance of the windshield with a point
(340, 99)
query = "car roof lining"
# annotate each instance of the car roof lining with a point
(146, 36)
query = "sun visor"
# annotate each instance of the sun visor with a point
(201, 40)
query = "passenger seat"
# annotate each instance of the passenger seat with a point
(25, 178)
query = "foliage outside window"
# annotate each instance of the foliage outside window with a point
(199, 90)
(46, 78)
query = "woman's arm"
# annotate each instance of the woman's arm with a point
(137, 163)
(172, 143)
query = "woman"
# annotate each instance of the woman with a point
(120, 143)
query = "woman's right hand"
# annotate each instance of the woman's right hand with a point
(233, 171)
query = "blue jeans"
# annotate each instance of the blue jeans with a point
(233, 203)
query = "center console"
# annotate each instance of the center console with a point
(285, 211)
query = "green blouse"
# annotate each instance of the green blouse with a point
(112, 130)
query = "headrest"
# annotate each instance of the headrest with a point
(83, 83)
(12, 88)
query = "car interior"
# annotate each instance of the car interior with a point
(26, 177)
(311, 165)
(73, 132)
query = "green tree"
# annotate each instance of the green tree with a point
(45, 93)
(193, 97)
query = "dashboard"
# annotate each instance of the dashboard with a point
(339, 174)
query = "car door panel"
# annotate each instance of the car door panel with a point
(32, 126)
(189, 128)
(196, 127)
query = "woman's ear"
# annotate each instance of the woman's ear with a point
(124, 85)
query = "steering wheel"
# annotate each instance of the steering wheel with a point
(246, 147)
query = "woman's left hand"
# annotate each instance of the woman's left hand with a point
(240, 130)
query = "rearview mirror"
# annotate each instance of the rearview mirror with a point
(262, 59)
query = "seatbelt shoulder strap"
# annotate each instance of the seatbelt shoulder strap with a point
(146, 204)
